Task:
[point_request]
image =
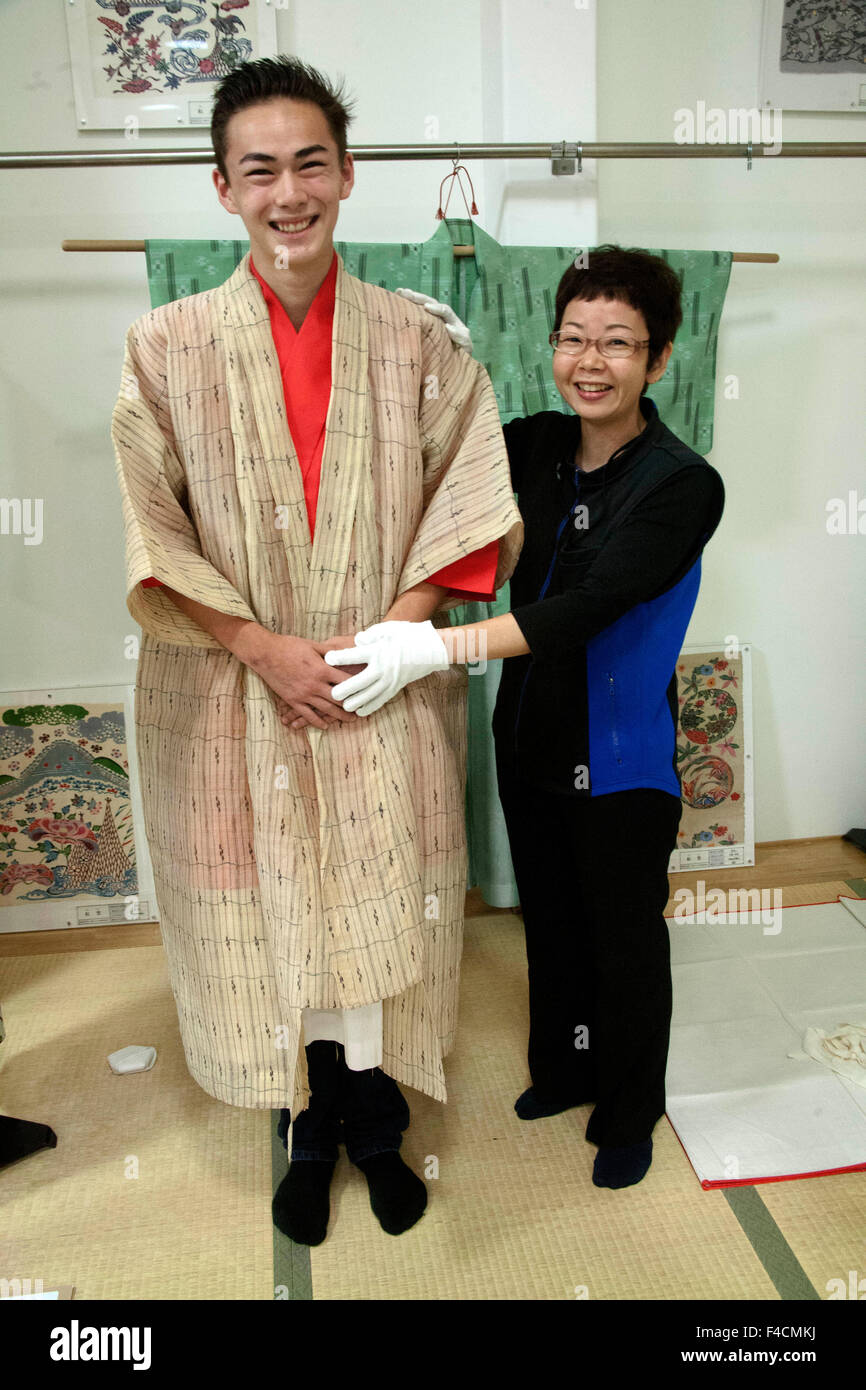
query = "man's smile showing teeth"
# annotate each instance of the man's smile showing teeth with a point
(293, 226)
(591, 386)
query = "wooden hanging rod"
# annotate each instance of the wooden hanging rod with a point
(626, 149)
(768, 256)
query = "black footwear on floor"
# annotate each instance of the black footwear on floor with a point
(529, 1107)
(622, 1165)
(397, 1196)
(302, 1203)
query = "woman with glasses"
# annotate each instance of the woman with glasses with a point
(616, 511)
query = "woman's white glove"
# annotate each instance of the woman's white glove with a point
(456, 327)
(393, 655)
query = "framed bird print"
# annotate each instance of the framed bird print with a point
(150, 64)
(714, 758)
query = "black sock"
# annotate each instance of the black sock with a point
(397, 1196)
(530, 1107)
(622, 1166)
(302, 1204)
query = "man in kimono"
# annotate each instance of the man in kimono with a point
(302, 455)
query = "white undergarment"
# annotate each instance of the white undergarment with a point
(359, 1030)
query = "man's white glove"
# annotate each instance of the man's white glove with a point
(456, 327)
(393, 655)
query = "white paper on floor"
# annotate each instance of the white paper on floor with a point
(744, 993)
(856, 906)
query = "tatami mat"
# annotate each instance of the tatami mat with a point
(514, 1213)
(824, 1220)
(155, 1190)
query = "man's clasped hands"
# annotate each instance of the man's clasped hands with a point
(384, 658)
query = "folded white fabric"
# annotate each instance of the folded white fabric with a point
(843, 1051)
(132, 1058)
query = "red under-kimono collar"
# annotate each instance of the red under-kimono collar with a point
(304, 356)
(320, 314)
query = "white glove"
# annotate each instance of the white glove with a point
(393, 654)
(456, 327)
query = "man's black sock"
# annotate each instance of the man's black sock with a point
(397, 1196)
(302, 1203)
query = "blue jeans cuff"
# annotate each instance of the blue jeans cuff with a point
(326, 1155)
(372, 1147)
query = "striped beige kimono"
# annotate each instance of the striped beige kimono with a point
(302, 868)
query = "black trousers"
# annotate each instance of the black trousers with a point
(592, 877)
(365, 1110)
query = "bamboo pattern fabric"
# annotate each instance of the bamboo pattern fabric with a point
(505, 295)
(296, 868)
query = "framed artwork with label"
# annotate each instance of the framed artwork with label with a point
(715, 759)
(73, 852)
(155, 64)
(813, 55)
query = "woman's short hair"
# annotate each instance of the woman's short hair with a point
(644, 281)
(267, 78)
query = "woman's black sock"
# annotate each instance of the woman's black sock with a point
(529, 1107)
(623, 1165)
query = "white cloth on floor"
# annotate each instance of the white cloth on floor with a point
(843, 1051)
(359, 1030)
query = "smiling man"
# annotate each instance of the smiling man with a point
(302, 455)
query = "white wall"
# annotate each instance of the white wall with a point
(495, 70)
